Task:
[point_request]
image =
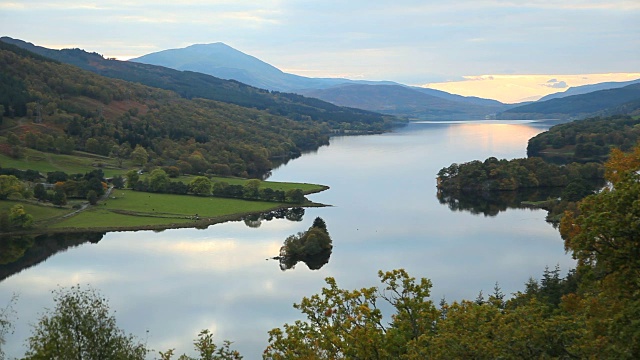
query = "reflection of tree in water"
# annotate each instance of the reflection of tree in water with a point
(490, 203)
(313, 247)
(21, 252)
(293, 214)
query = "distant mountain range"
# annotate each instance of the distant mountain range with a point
(197, 85)
(223, 61)
(616, 101)
(199, 70)
(584, 89)
(387, 97)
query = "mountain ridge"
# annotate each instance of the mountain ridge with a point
(196, 85)
(219, 59)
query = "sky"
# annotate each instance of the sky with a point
(447, 45)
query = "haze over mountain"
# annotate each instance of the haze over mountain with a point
(584, 89)
(223, 61)
(409, 102)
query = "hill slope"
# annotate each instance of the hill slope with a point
(405, 101)
(624, 100)
(584, 89)
(56, 107)
(223, 61)
(196, 85)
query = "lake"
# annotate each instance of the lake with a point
(384, 215)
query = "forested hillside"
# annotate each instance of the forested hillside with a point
(619, 101)
(586, 140)
(60, 108)
(192, 85)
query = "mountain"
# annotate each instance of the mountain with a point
(409, 102)
(197, 85)
(225, 62)
(618, 101)
(584, 89)
(60, 108)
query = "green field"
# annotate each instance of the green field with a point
(71, 164)
(129, 209)
(40, 213)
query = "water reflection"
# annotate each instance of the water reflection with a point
(293, 214)
(24, 251)
(491, 203)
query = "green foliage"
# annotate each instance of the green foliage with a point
(251, 189)
(295, 196)
(206, 349)
(92, 197)
(132, 178)
(158, 181)
(313, 247)
(200, 185)
(585, 140)
(19, 219)
(500, 175)
(59, 198)
(81, 327)
(10, 185)
(344, 324)
(139, 155)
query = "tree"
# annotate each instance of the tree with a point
(251, 189)
(139, 155)
(343, 324)
(39, 192)
(132, 178)
(207, 349)
(295, 196)
(200, 185)
(59, 198)
(118, 182)
(158, 181)
(19, 219)
(81, 327)
(10, 185)
(92, 197)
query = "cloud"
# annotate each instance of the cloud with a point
(555, 84)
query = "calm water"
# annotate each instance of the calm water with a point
(385, 215)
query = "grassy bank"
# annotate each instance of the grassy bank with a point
(134, 210)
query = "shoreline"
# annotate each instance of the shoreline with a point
(202, 223)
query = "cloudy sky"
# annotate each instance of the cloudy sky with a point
(409, 41)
